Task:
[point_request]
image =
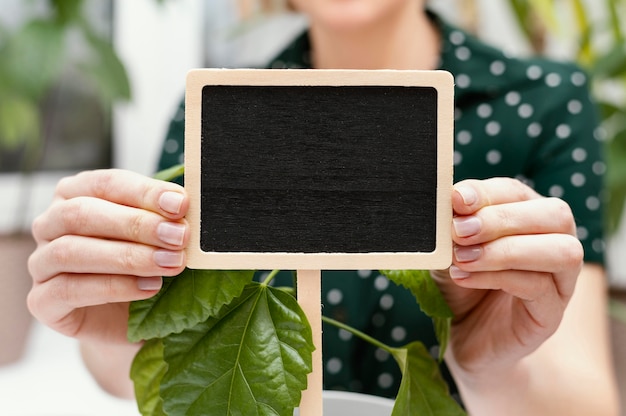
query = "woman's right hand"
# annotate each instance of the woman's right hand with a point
(106, 239)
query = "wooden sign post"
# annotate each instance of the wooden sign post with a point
(314, 170)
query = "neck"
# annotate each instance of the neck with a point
(404, 40)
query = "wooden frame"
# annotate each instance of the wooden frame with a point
(438, 258)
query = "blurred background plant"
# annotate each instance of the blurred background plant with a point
(56, 55)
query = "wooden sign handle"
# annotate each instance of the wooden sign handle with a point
(310, 299)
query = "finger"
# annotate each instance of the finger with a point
(563, 259)
(470, 195)
(536, 293)
(54, 301)
(534, 216)
(127, 188)
(78, 254)
(95, 217)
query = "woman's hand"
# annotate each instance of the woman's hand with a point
(516, 261)
(106, 239)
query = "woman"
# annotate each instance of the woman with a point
(523, 340)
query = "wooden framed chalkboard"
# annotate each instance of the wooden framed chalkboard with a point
(319, 169)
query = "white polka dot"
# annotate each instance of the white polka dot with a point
(556, 191)
(578, 78)
(534, 72)
(523, 179)
(386, 302)
(434, 351)
(492, 128)
(553, 80)
(381, 355)
(385, 380)
(364, 274)
(334, 296)
(494, 157)
(458, 158)
(463, 81)
(345, 335)
(574, 106)
(592, 203)
(534, 130)
(579, 154)
(598, 245)
(334, 365)
(599, 168)
(456, 37)
(600, 134)
(464, 137)
(462, 53)
(563, 131)
(484, 110)
(180, 115)
(398, 334)
(512, 98)
(279, 64)
(497, 68)
(578, 179)
(381, 283)
(170, 146)
(457, 113)
(181, 158)
(378, 320)
(525, 110)
(582, 233)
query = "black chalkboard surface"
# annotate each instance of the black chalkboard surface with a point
(319, 169)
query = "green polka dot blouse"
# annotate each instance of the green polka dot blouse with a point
(529, 119)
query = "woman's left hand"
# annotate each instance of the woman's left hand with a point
(516, 261)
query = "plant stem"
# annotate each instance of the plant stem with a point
(171, 173)
(270, 277)
(357, 333)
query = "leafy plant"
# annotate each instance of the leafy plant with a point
(598, 29)
(218, 343)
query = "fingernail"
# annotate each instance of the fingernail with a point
(468, 194)
(166, 258)
(171, 233)
(171, 202)
(457, 273)
(149, 283)
(466, 226)
(467, 254)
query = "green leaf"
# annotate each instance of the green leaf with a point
(251, 359)
(106, 69)
(430, 299)
(422, 390)
(611, 64)
(183, 301)
(33, 57)
(19, 121)
(146, 372)
(67, 10)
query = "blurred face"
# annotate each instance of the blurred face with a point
(352, 14)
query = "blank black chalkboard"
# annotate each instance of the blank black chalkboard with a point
(318, 170)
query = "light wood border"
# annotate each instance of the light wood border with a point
(440, 258)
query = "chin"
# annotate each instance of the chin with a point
(350, 14)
